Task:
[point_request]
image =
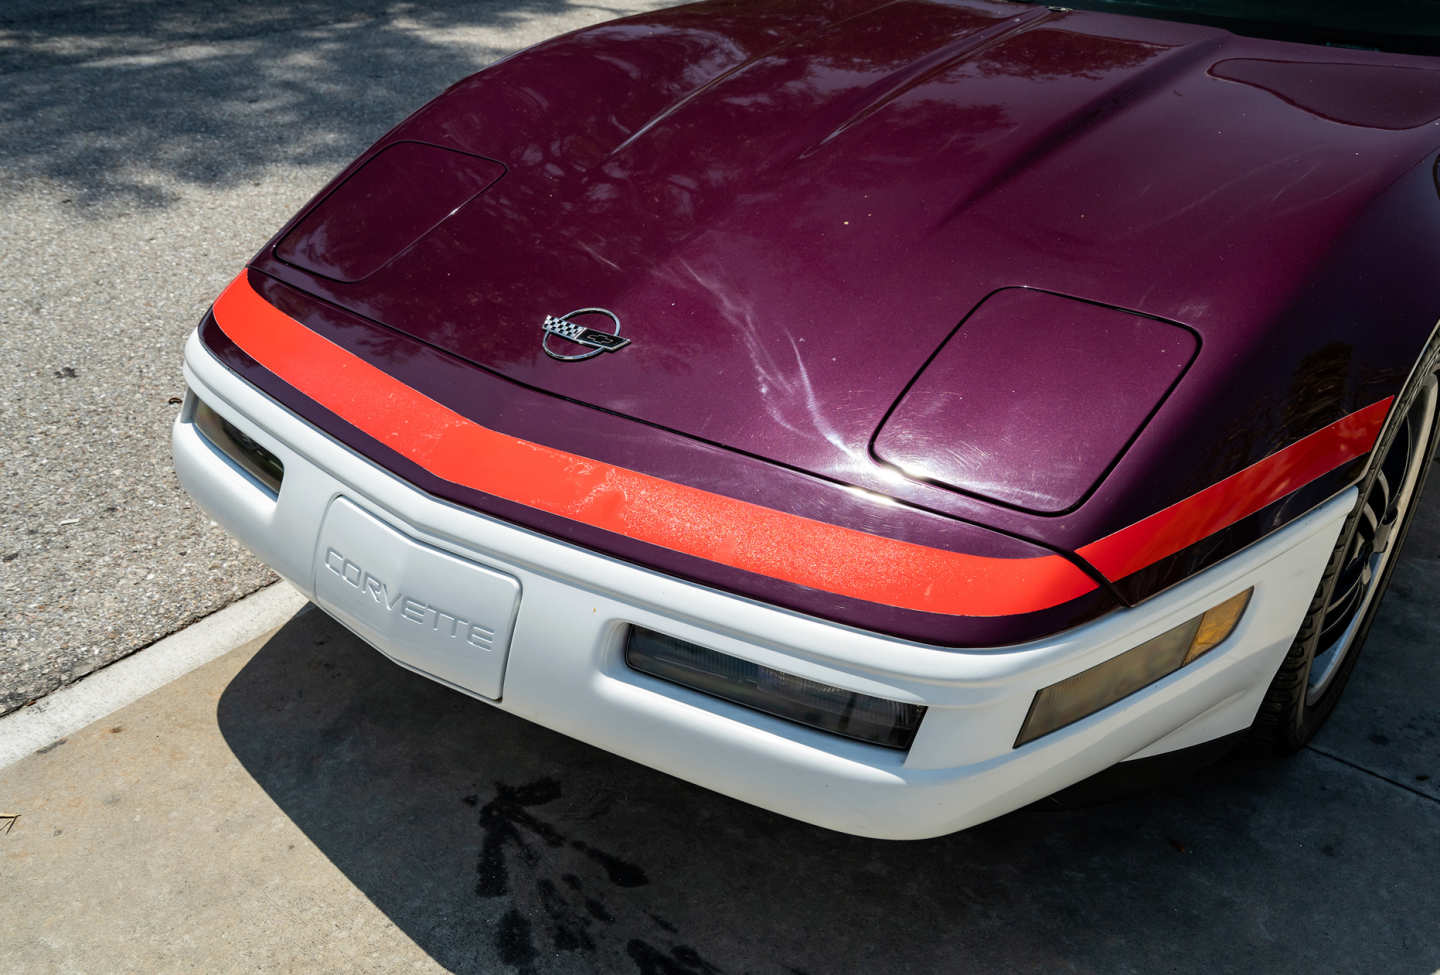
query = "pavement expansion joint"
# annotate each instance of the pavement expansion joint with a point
(1372, 773)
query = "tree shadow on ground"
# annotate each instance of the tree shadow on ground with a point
(123, 104)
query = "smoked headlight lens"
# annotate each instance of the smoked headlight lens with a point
(262, 465)
(1080, 696)
(872, 719)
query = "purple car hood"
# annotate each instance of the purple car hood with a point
(791, 207)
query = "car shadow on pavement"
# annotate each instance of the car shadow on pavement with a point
(492, 842)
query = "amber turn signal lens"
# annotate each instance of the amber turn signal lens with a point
(1217, 624)
(1080, 696)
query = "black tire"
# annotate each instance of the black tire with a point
(1297, 704)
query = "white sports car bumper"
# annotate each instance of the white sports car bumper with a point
(536, 626)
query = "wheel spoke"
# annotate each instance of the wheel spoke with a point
(1345, 599)
(1383, 510)
(1380, 492)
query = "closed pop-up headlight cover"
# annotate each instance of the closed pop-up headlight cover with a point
(1033, 398)
(397, 196)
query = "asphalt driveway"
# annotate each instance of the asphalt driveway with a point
(146, 151)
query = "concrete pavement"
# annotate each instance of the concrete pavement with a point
(71, 708)
(301, 804)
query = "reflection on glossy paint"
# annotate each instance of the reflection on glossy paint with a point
(793, 204)
(1047, 54)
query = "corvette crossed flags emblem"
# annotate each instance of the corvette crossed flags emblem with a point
(595, 340)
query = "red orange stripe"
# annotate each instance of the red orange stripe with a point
(710, 526)
(737, 533)
(1238, 496)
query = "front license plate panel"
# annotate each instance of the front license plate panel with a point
(444, 616)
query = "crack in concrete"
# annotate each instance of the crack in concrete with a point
(1370, 772)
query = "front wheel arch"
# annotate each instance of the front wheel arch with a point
(1322, 657)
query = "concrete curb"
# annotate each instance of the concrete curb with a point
(71, 708)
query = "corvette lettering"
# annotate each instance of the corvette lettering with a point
(416, 611)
